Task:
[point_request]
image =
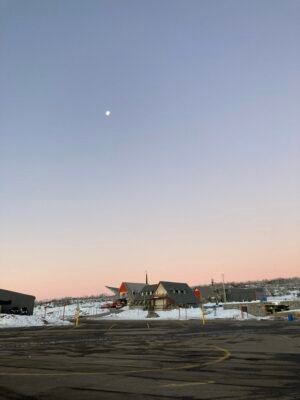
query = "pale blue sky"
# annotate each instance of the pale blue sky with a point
(203, 140)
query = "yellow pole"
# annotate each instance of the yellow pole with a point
(203, 315)
(77, 317)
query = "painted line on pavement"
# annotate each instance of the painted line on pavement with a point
(225, 356)
(170, 385)
(110, 328)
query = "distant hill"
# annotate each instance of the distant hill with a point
(71, 300)
(276, 286)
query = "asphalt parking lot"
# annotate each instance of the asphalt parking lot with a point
(152, 360)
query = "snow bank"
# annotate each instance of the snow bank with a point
(18, 321)
(182, 314)
(49, 315)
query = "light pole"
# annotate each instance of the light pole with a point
(224, 291)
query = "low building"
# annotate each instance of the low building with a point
(173, 294)
(261, 309)
(208, 293)
(14, 301)
(161, 296)
(245, 294)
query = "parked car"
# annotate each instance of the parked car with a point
(106, 305)
(119, 303)
(123, 302)
(115, 304)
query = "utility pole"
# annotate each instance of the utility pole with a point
(224, 291)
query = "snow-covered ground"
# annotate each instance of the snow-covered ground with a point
(60, 315)
(182, 314)
(88, 308)
(46, 315)
(18, 321)
(293, 296)
(49, 315)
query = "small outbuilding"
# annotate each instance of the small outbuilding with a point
(245, 294)
(14, 302)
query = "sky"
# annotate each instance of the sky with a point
(195, 173)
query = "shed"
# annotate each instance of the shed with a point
(10, 300)
(245, 294)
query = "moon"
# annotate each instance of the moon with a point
(107, 113)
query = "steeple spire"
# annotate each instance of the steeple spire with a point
(146, 278)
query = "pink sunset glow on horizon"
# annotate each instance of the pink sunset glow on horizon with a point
(83, 273)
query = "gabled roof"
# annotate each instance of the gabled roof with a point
(11, 292)
(149, 288)
(180, 292)
(115, 290)
(144, 294)
(134, 287)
